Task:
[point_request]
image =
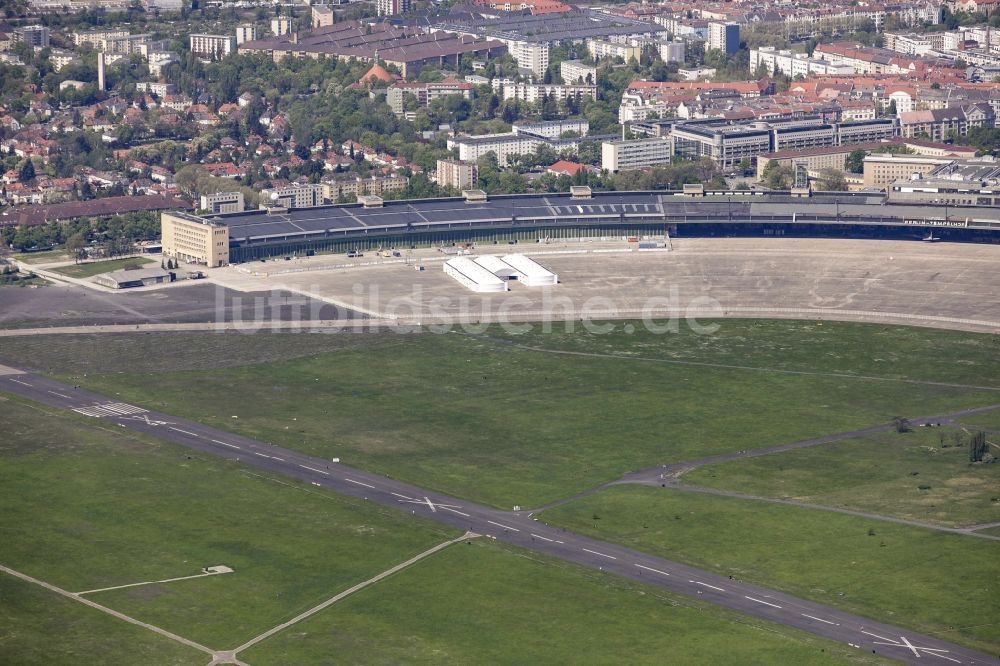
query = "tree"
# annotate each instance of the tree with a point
(27, 172)
(778, 176)
(856, 161)
(979, 448)
(832, 180)
(901, 424)
(75, 246)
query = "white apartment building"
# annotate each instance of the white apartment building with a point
(457, 174)
(471, 148)
(209, 46)
(635, 154)
(94, 37)
(792, 64)
(528, 55)
(537, 92)
(574, 71)
(127, 45)
(603, 48)
(246, 33)
(553, 129)
(281, 25)
(222, 202)
(292, 196)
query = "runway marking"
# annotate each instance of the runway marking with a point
(312, 469)
(539, 536)
(183, 431)
(610, 557)
(232, 446)
(360, 483)
(398, 495)
(903, 642)
(448, 508)
(61, 395)
(262, 455)
(664, 573)
(766, 603)
(122, 408)
(698, 582)
(819, 619)
(277, 458)
(18, 381)
(506, 527)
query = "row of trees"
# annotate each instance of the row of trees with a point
(127, 229)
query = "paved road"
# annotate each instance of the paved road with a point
(518, 528)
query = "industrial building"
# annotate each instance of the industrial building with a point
(408, 48)
(134, 277)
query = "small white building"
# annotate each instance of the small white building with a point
(473, 276)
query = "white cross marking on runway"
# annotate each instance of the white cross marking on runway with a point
(434, 506)
(153, 422)
(903, 642)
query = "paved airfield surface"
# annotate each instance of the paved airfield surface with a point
(746, 277)
(72, 305)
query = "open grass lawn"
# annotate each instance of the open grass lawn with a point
(153, 352)
(935, 582)
(989, 421)
(41, 627)
(995, 531)
(487, 603)
(902, 352)
(88, 507)
(97, 267)
(479, 419)
(921, 475)
(48, 256)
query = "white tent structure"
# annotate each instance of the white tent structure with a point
(474, 276)
(530, 272)
(498, 267)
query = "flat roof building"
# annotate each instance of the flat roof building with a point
(195, 239)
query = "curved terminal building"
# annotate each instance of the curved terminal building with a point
(238, 237)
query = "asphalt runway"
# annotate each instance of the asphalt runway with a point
(71, 305)
(515, 527)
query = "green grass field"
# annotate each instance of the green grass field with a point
(995, 531)
(86, 507)
(491, 604)
(97, 267)
(900, 352)
(943, 584)
(39, 627)
(43, 257)
(920, 475)
(506, 426)
(989, 421)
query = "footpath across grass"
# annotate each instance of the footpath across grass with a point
(947, 585)
(39, 627)
(924, 474)
(93, 268)
(488, 603)
(88, 507)
(479, 419)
